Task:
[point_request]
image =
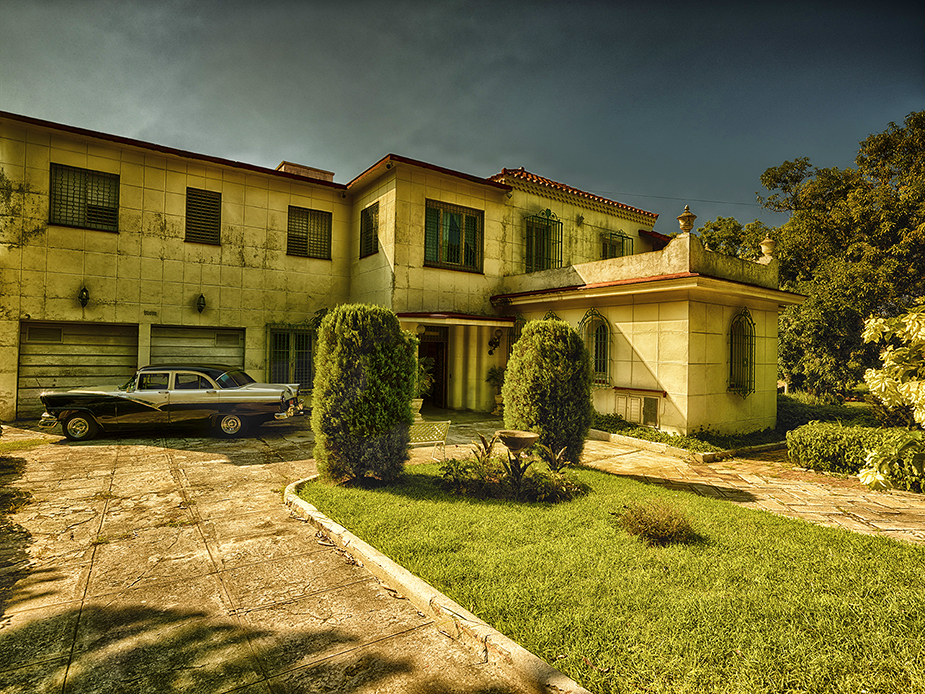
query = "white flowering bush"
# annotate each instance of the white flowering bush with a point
(899, 381)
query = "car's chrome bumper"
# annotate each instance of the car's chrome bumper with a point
(48, 420)
(295, 410)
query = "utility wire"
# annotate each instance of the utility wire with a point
(665, 197)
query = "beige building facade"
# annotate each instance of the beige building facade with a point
(116, 253)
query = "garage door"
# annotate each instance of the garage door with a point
(176, 345)
(71, 355)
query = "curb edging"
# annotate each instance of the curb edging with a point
(450, 618)
(665, 449)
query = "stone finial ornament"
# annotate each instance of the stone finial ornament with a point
(768, 246)
(686, 220)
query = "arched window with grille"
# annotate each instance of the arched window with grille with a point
(742, 354)
(595, 330)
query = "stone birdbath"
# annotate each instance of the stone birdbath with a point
(517, 442)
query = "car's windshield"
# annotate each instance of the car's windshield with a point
(234, 379)
(130, 386)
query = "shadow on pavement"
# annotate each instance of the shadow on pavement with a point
(14, 539)
(140, 649)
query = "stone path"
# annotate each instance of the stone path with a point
(767, 481)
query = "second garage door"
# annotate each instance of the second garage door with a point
(176, 345)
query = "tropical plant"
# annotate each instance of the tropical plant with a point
(495, 378)
(424, 380)
(364, 380)
(899, 382)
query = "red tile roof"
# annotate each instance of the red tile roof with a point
(539, 180)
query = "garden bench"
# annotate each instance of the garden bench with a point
(430, 434)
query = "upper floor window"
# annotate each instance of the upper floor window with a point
(309, 233)
(203, 216)
(596, 333)
(742, 354)
(544, 242)
(615, 245)
(369, 230)
(84, 198)
(453, 236)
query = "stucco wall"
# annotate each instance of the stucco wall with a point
(146, 273)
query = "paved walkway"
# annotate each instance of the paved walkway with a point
(171, 564)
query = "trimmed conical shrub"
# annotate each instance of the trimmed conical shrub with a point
(547, 386)
(365, 369)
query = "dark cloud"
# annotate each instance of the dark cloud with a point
(662, 99)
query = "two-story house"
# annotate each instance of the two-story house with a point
(116, 253)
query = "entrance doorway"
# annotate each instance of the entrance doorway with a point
(434, 342)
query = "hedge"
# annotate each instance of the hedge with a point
(832, 447)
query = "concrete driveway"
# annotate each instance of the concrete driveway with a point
(171, 565)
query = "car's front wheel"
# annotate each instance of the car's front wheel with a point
(231, 425)
(80, 427)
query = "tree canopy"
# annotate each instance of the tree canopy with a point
(854, 244)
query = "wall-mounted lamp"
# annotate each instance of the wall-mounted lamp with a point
(83, 296)
(421, 329)
(495, 342)
(201, 303)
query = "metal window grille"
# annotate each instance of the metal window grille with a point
(514, 332)
(290, 356)
(596, 333)
(551, 315)
(203, 216)
(615, 245)
(84, 198)
(309, 233)
(453, 236)
(543, 242)
(369, 230)
(742, 354)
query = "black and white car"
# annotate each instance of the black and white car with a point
(157, 396)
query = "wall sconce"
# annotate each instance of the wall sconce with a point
(495, 342)
(83, 296)
(420, 330)
(201, 303)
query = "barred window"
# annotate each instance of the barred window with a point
(615, 245)
(369, 230)
(596, 333)
(203, 216)
(543, 242)
(290, 355)
(84, 198)
(742, 354)
(309, 233)
(453, 236)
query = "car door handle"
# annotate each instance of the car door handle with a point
(163, 392)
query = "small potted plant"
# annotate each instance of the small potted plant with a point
(496, 380)
(424, 381)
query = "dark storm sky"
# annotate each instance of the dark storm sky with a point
(655, 104)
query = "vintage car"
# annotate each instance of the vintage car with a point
(221, 396)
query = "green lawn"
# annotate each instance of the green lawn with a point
(758, 604)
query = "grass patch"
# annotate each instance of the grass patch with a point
(21, 445)
(758, 603)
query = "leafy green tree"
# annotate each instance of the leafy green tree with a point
(365, 376)
(726, 235)
(547, 386)
(853, 245)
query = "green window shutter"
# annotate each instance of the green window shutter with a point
(203, 216)
(431, 235)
